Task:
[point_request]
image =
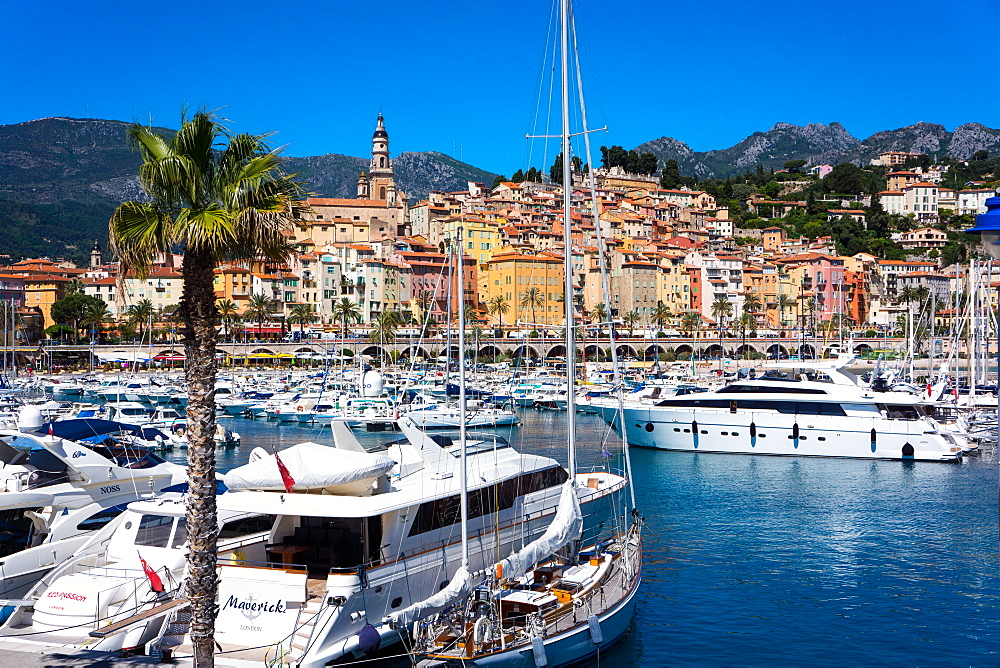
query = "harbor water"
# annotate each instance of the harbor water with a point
(781, 560)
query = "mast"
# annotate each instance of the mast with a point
(463, 474)
(568, 247)
(605, 287)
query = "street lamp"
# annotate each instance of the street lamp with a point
(988, 229)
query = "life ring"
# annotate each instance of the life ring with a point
(180, 430)
(299, 408)
(482, 631)
(239, 558)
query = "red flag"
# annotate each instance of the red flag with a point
(286, 478)
(50, 429)
(155, 583)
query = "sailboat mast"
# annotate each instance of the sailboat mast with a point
(605, 288)
(463, 473)
(568, 247)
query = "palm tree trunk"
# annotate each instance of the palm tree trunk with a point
(199, 315)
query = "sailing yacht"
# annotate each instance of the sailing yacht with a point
(562, 598)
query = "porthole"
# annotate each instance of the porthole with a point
(703, 431)
(725, 433)
(128, 525)
(821, 438)
(677, 430)
(736, 433)
(761, 435)
(687, 431)
(649, 426)
(803, 438)
(396, 602)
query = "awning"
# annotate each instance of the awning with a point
(262, 330)
(170, 358)
(122, 356)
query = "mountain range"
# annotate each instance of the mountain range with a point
(60, 178)
(818, 143)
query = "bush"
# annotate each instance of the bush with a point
(871, 333)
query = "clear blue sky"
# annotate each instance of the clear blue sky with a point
(462, 78)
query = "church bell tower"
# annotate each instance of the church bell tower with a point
(381, 168)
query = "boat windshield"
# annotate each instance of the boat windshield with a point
(15, 530)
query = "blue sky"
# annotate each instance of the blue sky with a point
(463, 78)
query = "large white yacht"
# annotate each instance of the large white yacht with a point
(362, 535)
(60, 482)
(821, 412)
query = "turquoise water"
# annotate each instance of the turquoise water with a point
(758, 561)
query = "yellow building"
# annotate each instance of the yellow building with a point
(233, 283)
(41, 291)
(481, 237)
(515, 276)
(673, 282)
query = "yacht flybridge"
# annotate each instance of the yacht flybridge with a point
(821, 411)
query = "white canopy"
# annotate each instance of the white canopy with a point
(122, 356)
(312, 466)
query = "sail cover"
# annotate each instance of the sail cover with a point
(458, 588)
(312, 466)
(566, 526)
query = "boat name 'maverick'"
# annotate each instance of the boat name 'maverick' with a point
(253, 606)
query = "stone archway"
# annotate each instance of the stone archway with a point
(807, 351)
(625, 350)
(556, 351)
(714, 351)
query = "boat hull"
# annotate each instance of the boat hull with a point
(783, 434)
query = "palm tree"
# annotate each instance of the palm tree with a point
(629, 321)
(138, 314)
(222, 198)
(384, 330)
(346, 311)
(907, 294)
(302, 314)
(751, 303)
(598, 313)
(75, 286)
(532, 298)
(722, 308)
(661, 315)
(690, 322)
(499, 307)
(94, 316)
(747, 323)
(230, 313)
(259, 309)
(784, 302)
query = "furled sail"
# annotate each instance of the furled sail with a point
(458, 588)
(566, 526)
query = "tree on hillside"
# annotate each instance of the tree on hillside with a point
(497, 180)
(845, 178)
(220, 197)
(670, 177)
(518, 177)
(533, 175)
(556, 170)
(794, 166)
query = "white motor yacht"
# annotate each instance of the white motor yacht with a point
(794, 415)
(61, 481)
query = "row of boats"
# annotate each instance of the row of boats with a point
(361, 550)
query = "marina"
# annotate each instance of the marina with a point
(781, 561)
